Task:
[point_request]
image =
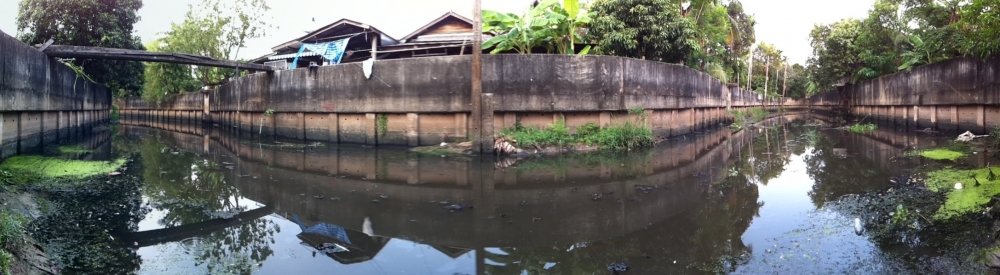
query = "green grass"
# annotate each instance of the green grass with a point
(26, 168)
(628, 135)
(742, 119)
(11, 236)
(863, 128)
(970, 198)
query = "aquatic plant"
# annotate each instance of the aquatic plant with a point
(863, 128)
(941, 154)
(46, 167)
(632, 134)
(977, 190)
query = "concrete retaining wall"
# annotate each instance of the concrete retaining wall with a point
(424, 101)
(961, 94)
(43, 100)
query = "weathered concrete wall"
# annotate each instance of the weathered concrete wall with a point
(425, 101)
(961, 94)
(42, 99)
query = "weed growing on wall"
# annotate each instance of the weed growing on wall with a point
(382, 124)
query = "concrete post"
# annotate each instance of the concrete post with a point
(478, 138)
(412, 129)
(334, 128)
(487, 124)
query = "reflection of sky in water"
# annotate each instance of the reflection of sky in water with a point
(291, 256)
(791, 233)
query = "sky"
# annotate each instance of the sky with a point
(783, 23)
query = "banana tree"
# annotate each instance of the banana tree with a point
(549, 25)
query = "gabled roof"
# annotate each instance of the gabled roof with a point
(339, 24)
(447, 15)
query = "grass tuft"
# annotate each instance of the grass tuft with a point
(629, 135)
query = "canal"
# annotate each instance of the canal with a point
(781, 198)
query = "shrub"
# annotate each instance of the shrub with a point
(863, 128)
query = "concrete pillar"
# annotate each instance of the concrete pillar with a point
(981, 118)
(371, 136)
(488, 130)
(334, 128)
(462, 126)
(300, 133)
(693, 119)
(954, 118)
(413, 177)
(916, 116)
(412, 129)
(934, 117)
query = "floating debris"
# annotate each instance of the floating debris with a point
(645, 189)
(455, 207)
(616, 267)
(383, 196)
(597, 196)
(445, 202)
(376, 201)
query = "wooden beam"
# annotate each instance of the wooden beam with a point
(137, 55)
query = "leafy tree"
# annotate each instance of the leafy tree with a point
(835, 58)
(215, 28)
(980, 24)
(798, 82)
(165, 78)
(740, 39)
(94, 23)
(644, 29)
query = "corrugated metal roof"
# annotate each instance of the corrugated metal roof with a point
(291, 55)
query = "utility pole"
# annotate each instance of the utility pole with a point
(477, 79)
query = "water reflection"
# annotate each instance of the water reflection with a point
(714, 202)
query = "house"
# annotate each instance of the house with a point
(449, 34)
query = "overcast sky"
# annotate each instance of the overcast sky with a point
(784, 23)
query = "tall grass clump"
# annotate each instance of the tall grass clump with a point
(11, 232)
(629, 135)
(743, 118)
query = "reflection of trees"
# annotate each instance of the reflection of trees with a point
(78, 234)
(190, 189)
(835, 176)
(706, 239)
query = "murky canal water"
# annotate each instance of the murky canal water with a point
(759, 201)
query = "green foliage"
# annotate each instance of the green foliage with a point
(550, 25)
(163, 79)
(269, 112)
(58, 168)
(863, 128)
(11, 236)
(382, 125)
(88, 23)
(215, 28)
(742, 119)
(971, 197)
(630, 135)
(980, 26)
(643, 29)
(115, 115)
(941, 154)
(73, 149)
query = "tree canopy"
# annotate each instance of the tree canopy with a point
(94, 23)
(215, 28)
(643, 29)
(898, 35)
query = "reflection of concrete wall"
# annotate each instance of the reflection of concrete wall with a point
(961, 94)
(42, 100)
(426, 101)
(278, 178)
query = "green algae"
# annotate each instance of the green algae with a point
(941, 154)
(45, 167)
(74, 149)
(971, 197)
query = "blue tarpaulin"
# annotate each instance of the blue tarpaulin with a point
(332, 51)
